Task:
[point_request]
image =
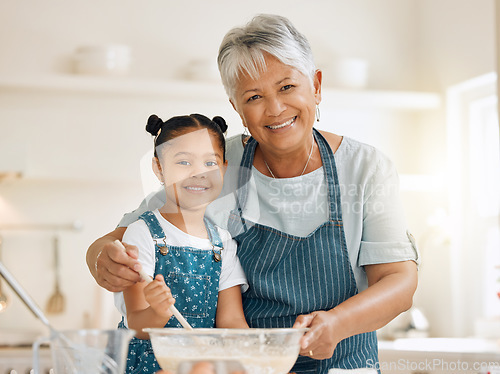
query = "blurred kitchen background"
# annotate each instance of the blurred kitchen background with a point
(415, 78)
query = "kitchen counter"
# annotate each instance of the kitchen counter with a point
(461, 345)
(439, 355)
(400, 356)
(20, 359)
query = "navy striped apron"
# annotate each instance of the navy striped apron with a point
(291, 275)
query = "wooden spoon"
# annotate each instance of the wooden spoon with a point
(57, 301)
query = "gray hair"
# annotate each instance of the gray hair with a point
(242, 49)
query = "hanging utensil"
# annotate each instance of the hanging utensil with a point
(57, 301)
(4, 300)
(108, 362)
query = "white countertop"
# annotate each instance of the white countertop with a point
(454, 345)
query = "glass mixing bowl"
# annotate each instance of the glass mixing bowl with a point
(259, 351)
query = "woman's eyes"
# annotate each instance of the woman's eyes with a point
(254, 97)
(183, 163)
(284, 88)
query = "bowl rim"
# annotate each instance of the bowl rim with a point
(222, 331)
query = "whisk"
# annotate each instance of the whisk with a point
(108, 362)
(4, 300)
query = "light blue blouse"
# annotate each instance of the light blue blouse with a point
(374, 223)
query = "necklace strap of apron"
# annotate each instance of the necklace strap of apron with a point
(244, 174)
(330, 170)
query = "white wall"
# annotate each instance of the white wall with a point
(166, 34)
(410, 44)
(457, 41)
(28, 254)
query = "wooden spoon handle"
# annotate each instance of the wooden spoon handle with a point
(147, 278)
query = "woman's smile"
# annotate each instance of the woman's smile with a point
(283, 125)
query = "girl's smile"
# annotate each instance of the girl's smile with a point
(191, 167)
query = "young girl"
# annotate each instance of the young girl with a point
(193, 262)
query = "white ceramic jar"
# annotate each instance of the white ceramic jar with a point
(346, 73)
(112, 59)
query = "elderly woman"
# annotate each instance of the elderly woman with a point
(317, 216)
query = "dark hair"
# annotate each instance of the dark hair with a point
(180, 125)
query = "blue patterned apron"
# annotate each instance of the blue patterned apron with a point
(193, 277)
(291, 275)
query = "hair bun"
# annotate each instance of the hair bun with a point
(221, 122)
(154, 124)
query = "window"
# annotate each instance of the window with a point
(474, 186)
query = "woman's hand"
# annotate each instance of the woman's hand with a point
(159, 297)
(390, 291)
(112, 268)
(320, 341)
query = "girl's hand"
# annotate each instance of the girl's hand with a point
(159, 297)
(321, 339)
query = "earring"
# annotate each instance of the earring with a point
(318, 114)
(246, 135)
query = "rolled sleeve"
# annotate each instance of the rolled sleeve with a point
(385, 237)
(385, 252)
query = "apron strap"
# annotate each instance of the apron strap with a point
(330, 168)
(244, 175)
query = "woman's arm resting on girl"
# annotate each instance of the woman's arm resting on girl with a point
(230, 309)
(390, 292)
(112, 268)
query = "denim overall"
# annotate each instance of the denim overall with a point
(291, 275)
(193, 277)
